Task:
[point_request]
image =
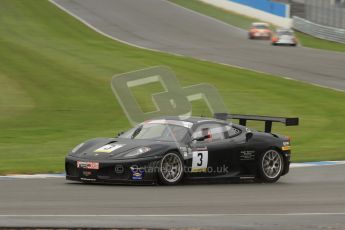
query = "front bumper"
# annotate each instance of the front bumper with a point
(131, 171)
(287, 43)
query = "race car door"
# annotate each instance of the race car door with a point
(212, 156)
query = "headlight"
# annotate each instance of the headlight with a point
(77, 147)
(138, 152)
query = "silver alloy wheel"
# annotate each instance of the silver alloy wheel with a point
(171, 167)
(272, 164)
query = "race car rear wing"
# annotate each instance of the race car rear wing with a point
(268, 120)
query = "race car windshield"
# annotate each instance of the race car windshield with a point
(281, 33)
(164, 132)
(262, 27)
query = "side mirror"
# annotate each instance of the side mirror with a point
(202, 138)
(120, 133)
(249, 135)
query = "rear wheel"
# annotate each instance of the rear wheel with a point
(171, 169)
(271, 165)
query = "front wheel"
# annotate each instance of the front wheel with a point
(271, 165)
(170, 169)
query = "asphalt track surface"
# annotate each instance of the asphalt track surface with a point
(307, 198)
(164, 26)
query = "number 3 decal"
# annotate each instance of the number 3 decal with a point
(200, 160)
(199, 163)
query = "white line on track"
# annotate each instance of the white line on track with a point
(103, 33)
(207, 16)
(320, 163)
(192, 215)
(62, 175)
(32, 176)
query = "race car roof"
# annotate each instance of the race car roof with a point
(192, 120)
(259, 24)
(284, 29)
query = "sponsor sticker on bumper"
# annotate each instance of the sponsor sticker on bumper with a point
(87, 165)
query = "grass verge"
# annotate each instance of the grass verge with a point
(55, 91)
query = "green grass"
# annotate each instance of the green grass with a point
(244, 22)
(313, 42)
(55, 91)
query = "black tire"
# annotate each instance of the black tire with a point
(171, 169)
(271, 166)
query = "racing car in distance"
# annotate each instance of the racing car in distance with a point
(167, 150)
(284, 37)
(259, 30)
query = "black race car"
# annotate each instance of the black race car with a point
(168, 150)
